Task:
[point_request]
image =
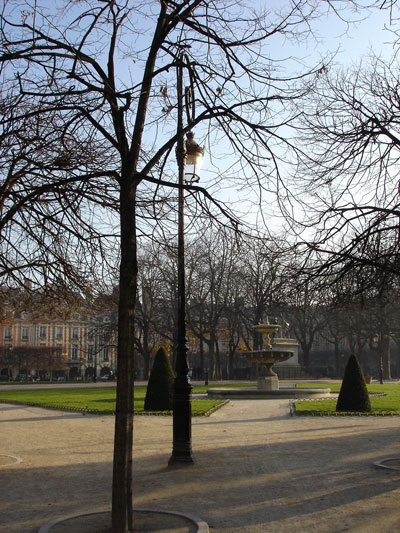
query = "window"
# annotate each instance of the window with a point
(74, 333)
(25, 334)
(7, 333)
(59, 332)
(90, 352)
(42, 332)
(74, 354)
(105, 354)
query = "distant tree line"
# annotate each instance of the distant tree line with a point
(233, 284)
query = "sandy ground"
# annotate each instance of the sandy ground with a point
(257, 469)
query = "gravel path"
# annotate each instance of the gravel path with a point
(257, 469)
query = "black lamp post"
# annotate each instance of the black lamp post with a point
(188, 153)
(378, 343)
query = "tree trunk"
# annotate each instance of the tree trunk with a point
(306, 354)
(204, 362)
(122, 465)
(385, 347)
(231, 353)
(146, 365)
(201, 354)
(337, 357)
(398, 363)
(218, 360)
(211, 356)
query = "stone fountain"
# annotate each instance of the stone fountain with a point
(273, 346)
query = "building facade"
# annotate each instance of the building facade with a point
(43, 345)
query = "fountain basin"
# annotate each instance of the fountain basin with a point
(262, 394)
(276, 355)
(282, 350)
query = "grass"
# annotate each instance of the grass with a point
(30, 382)
(99, 400)
(381, 405)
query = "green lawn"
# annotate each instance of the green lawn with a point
(95, 400)
(381, 405)
(102, 400)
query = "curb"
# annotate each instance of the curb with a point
(383, 463)
(202, 527)
(12, 460)
(86, 411)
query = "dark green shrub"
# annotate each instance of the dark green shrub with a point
(159, 394)
(353, 395)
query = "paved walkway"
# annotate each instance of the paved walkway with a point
(257, 469)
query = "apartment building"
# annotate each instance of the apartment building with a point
(82, 345)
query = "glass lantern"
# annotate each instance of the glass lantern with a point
(194, 159)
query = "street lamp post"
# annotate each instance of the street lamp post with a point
(188, 153)
(378, 343)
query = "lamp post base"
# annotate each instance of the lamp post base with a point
(181, 457)
(182, 415)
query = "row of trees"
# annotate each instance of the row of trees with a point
(233, 285)
(23, 359)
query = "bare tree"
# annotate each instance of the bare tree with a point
(152, 307)
(47, 223)
(263, 263)
(213, 265)
(364, 313)
(349, 172)
(302, 308)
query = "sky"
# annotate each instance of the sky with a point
(350, 43)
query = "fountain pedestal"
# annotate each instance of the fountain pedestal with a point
(267, 379)
(268, 383)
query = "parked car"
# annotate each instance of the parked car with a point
(108, 377)
(23, 377)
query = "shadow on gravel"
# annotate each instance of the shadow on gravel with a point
(296, 482)
(37, 414)
(32, 497)
(289, 483)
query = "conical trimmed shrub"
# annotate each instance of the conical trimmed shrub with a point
(159, 394)
(353, 395)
